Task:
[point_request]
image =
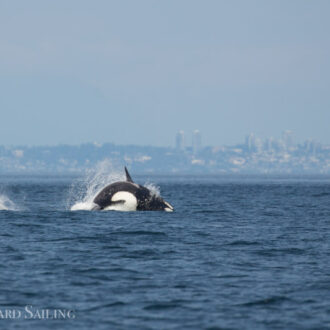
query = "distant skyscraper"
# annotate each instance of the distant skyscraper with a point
(311, 146)
(179, 140)
(196, 141)
(253, 143)
(287, 137)
(269, 144)
(250, 142)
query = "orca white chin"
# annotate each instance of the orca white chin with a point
(169, 207)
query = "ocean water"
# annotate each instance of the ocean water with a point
(237, 253)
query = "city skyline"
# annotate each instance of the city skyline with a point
(194, 140)
(252, 156)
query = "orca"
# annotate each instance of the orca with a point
(129, 196)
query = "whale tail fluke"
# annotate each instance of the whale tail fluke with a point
(128, 177)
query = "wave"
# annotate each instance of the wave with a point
(6, 204)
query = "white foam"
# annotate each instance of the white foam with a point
(155, 190)
(7, 204)
(83, 206)
(84, 190)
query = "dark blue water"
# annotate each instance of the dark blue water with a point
(235, 254)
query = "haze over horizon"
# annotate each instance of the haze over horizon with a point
(133, 72)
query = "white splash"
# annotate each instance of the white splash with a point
(83, 191)
(155, 190)
(83, 206)
(7, 204)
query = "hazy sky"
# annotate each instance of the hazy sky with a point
(136, 72)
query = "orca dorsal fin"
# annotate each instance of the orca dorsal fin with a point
(128, 177)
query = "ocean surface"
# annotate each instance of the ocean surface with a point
(237, 253)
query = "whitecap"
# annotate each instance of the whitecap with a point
(7, 204)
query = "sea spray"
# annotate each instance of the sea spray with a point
(7, 204)
(155, 190)
(84, 190)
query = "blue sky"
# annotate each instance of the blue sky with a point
(136, 72)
